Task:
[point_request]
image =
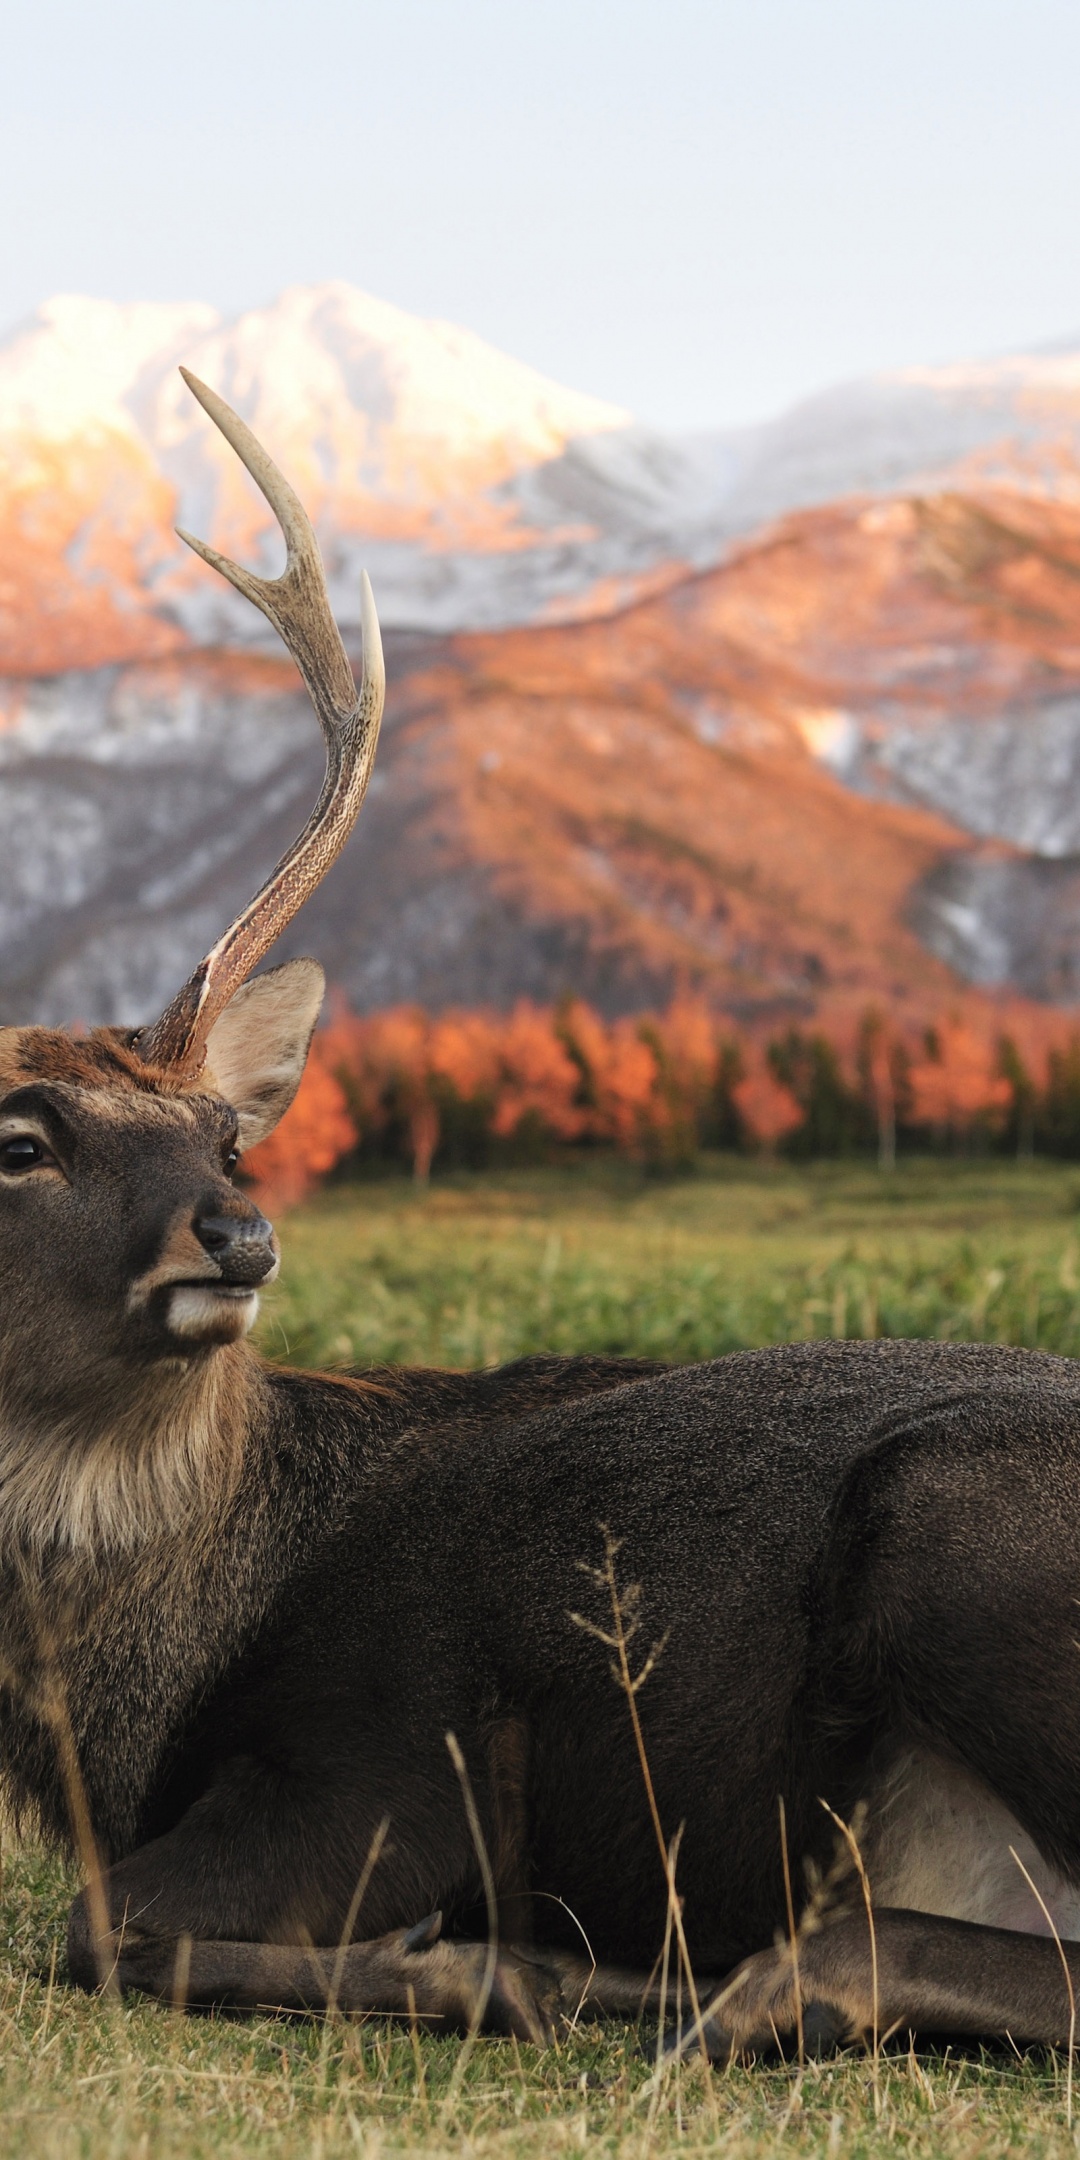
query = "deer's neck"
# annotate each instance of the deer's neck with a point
(118, 1640)
(107, 1476)
(133, 1563)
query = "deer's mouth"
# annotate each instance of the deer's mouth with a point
(211, 1311)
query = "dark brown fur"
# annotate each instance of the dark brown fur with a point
(241, 1608)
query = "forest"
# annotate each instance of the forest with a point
(486, 1090)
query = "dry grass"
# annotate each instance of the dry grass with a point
(478, 1270)
(81, 2079)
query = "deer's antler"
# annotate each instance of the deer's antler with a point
(297, 605)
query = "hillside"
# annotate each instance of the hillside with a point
(836, 761)
(840, 767)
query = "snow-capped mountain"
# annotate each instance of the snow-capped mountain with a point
(851, 634)
(477, 493)
(1013, 422)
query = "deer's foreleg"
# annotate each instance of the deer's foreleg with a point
(410, 1972)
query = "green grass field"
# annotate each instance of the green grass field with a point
(475, 1270)
(472, 1271)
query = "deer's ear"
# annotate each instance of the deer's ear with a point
(256, 1051)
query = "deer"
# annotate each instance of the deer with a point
(304, 1666)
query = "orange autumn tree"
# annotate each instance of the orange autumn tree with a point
(465, 1052)
(957, 1084)
(620, 1076)
(688, 1059)
(384, 1064)
(767, 1109)
(538, 1080)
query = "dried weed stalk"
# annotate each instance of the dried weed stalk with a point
(625, 1603)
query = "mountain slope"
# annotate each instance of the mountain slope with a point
(838, 763)
(791, 782)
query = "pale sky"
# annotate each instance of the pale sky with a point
(701, 209)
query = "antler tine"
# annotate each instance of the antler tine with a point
(296, 602)
(298, 606)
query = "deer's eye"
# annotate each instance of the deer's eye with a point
(24, 1151)
(231, 1160)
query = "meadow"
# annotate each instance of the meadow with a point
(472, 1270)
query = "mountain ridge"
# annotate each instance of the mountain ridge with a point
(791, 717)
(478, 493)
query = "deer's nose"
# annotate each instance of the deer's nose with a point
(242, 1245)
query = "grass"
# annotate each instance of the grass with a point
(81, 2079)
(475, 1270)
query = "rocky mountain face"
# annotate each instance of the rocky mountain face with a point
(792, 717)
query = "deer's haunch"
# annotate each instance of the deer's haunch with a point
(242, 1608)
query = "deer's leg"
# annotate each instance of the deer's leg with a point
(226, 1906)
(411, 1972)
(933, 1976)
(243, 1903)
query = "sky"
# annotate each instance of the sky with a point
(699, 209)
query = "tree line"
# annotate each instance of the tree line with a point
(479, 1089)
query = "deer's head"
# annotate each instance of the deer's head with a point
(125, 1248)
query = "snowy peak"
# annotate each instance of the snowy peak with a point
(75, 365)
(1013, 422)
(423, 454)
(476, 492)
(324, 352)
(363, 399)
